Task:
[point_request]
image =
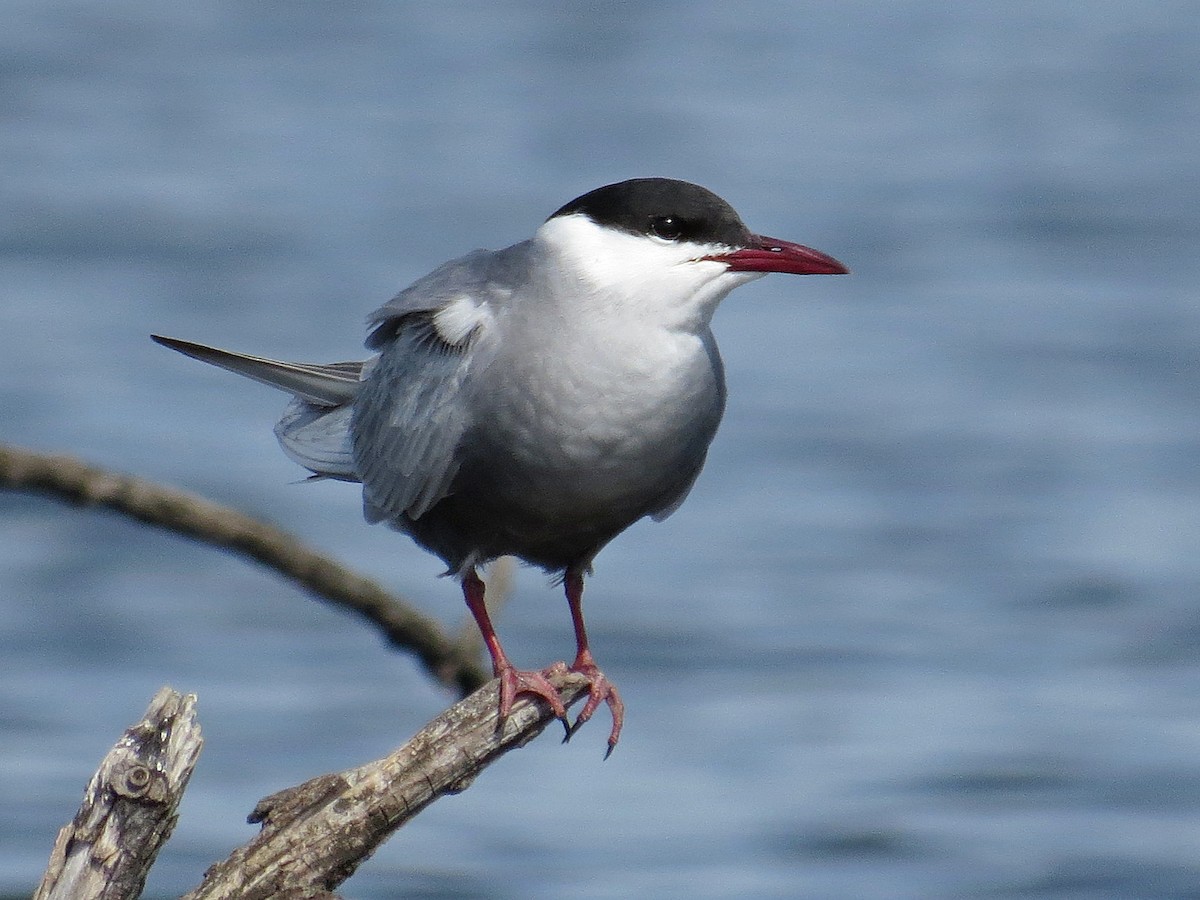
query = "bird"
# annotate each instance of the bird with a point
(536, 401)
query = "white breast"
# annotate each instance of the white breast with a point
(603, 386)
(608, 425)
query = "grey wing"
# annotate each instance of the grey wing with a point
(412, 411)
(466, 276)
(409, 417)
(314, 429)
(327, 385)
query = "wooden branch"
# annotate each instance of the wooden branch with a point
(452, 662)
(129, 807)
(315, 836)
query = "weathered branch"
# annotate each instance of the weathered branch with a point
(315, 836)
(129, 808)
(453, 662)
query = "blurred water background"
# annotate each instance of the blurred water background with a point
(928, 625)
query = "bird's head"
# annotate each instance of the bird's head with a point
(665, 247)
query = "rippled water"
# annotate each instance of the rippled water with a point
(928, 625)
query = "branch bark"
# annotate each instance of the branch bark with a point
(129, 807)
(452, 662)
(314, 836)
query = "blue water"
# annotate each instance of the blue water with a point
(929, 625)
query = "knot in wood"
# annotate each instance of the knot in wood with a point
(140, 782)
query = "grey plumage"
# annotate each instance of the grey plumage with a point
(419, 425)
(537, 400)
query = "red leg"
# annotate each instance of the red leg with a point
(513, 681)
(600, 689)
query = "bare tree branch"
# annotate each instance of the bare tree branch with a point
(129, 807)
(452, 661)
(315, 836)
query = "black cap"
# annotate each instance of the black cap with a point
(664, 208)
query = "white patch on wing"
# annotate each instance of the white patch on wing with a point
(457, 319)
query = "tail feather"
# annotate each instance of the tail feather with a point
(324, 385)
(315, 428)
(318, 438)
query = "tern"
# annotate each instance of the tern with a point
(538, 400)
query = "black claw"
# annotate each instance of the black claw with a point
(571, 730)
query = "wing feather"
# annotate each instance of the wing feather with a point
(409, 417)
(414, 406)
(324, 385)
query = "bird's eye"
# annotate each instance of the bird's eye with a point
(669, 228)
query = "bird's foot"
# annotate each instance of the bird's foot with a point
(600, 690)
(514, 682)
